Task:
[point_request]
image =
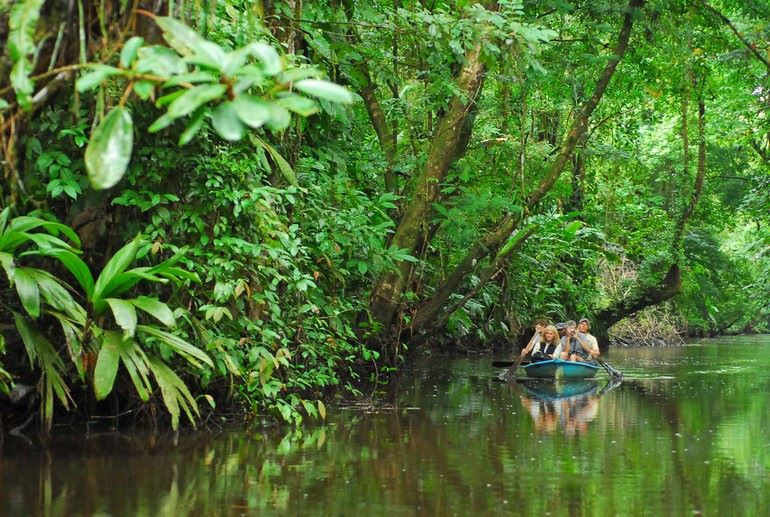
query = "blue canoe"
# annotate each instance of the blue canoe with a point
(556, 368)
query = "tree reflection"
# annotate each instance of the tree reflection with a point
(681, 435)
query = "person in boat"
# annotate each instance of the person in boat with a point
(540, 325)
(546, 346)
(585, 349)
(568, 341)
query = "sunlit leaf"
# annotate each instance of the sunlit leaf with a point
(193, 98)
(324, 90)
(107, 363)
(94, 78)
(253, 111)
(116, 265)
(159, 60)
(28, 291)
(129, 51)
(280, 118)
(299, 105)
(109, 149)
(193, 126)
(124, 313)
(156, 309)
(227, 122)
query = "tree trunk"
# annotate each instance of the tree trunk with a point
(492, 241)
(636, 301)
(446, 143)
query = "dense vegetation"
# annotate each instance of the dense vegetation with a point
(196, 212)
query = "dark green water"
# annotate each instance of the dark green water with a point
(687, 433)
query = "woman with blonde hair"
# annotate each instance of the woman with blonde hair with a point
(546, 346)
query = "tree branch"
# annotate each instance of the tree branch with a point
(751, 46)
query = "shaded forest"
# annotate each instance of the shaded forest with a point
(221, 205)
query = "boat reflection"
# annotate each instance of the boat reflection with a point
(570, 406)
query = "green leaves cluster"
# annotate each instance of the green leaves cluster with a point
(197, 79)
(22, 23)
(107, 328)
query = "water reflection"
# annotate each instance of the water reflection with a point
(569, 406)
(682, 435)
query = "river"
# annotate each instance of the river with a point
(686, 433)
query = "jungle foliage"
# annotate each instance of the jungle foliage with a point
(255, 204)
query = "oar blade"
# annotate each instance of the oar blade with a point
(614, 374)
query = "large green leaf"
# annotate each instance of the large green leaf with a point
(4, 218)
(516, 240)
(300, 105)
(26, 223)
(116, 265)
(124, 313)
(159, 60)
(122, 283)
(155, 308)
(193, 98)
(109, 149)
(55, 294)
(76, 266)
(271, 61)
(571, 229)
(227, 122)
(189, 43)
(179, 345)
(28, 291)
(22, 84)
(251, 110)
(107, 363)
(324, 90)
(10, 240)
(45, 241)
(174, 391)
(193, 126)
(280, 118)
(129, 51)
(135, 361)
(22, 22)
(279, 160)
(71, 332)
(94, 78)
(8, 265)
(41, 352)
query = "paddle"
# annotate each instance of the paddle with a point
(612, 372)
(511, 373)
(506, 364)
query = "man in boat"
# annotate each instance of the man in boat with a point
(585, 348)
(568, 342)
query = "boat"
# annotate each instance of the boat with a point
(557, 368)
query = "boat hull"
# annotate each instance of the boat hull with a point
(561, 369)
